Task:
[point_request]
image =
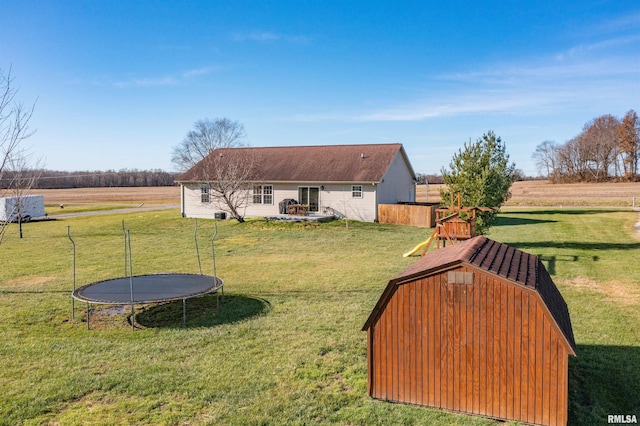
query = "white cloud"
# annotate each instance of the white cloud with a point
(492, 101)
(540, 86)
(199, 71)
(260, 36)
(602, 45)
(618, 24)
(602, 74)
(168, 80)
(146, 82)
(268, 36)
(312, 118)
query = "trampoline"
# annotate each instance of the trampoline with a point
(150, 288)
(144, 289)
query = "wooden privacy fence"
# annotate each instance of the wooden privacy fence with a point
(414, 214)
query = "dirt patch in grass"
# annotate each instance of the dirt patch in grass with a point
(615, 291)
(106, 317)
(27, 283)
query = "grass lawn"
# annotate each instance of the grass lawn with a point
(286, 347)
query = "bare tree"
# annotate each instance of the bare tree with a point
(207, 135)
(24, 178)
(14, 129)
(227, 180)
(606, 148)
(629, 139)
(570, 161)
(14, 121)
(545, 157)
(601, 143)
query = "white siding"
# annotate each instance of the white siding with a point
(192, 205)
(397, 183)
(338, 199)
(334, 199)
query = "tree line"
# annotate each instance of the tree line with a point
(436, 179)
(53, 179)
(608, 148)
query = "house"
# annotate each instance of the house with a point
(343, 180)
(477, 327)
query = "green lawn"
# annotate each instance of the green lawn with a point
(286, 347)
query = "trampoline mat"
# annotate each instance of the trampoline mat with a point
(148, 288)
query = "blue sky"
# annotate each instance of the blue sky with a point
(119, 83)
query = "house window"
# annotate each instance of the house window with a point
(356, 191)
(263, 194)
(205, 196)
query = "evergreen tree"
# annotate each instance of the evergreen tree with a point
(482, 174)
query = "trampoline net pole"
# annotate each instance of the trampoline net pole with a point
(73, 300)
(125, 249)
(213, 253)
(215, 272)
(128, 238)
(195, 237)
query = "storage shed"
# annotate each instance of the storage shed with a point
(477, 327)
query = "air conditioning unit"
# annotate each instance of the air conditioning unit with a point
(220, 215)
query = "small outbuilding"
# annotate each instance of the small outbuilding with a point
(477, 327)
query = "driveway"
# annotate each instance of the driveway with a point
(143, 208)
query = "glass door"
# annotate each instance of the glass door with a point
(310, 196)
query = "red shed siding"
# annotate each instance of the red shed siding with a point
(490, 348)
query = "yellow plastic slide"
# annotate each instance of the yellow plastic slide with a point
(420, 246)
(417, 248)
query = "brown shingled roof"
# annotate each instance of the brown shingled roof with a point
(496, 258)
(323, 163)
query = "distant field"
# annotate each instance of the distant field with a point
(529, 193)
(135, 195)
(543, 193)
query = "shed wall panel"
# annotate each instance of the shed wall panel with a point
(488, 348)
(482, 346)
(531, 367)
(438, 342)
(524, 359)
(553, 379)
(517, 362)
(539, 354)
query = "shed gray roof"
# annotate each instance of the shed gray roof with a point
(321, 163)
(495, 258)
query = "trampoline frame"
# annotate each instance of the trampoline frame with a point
(217, 283)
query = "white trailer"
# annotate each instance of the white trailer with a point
(26, 207)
